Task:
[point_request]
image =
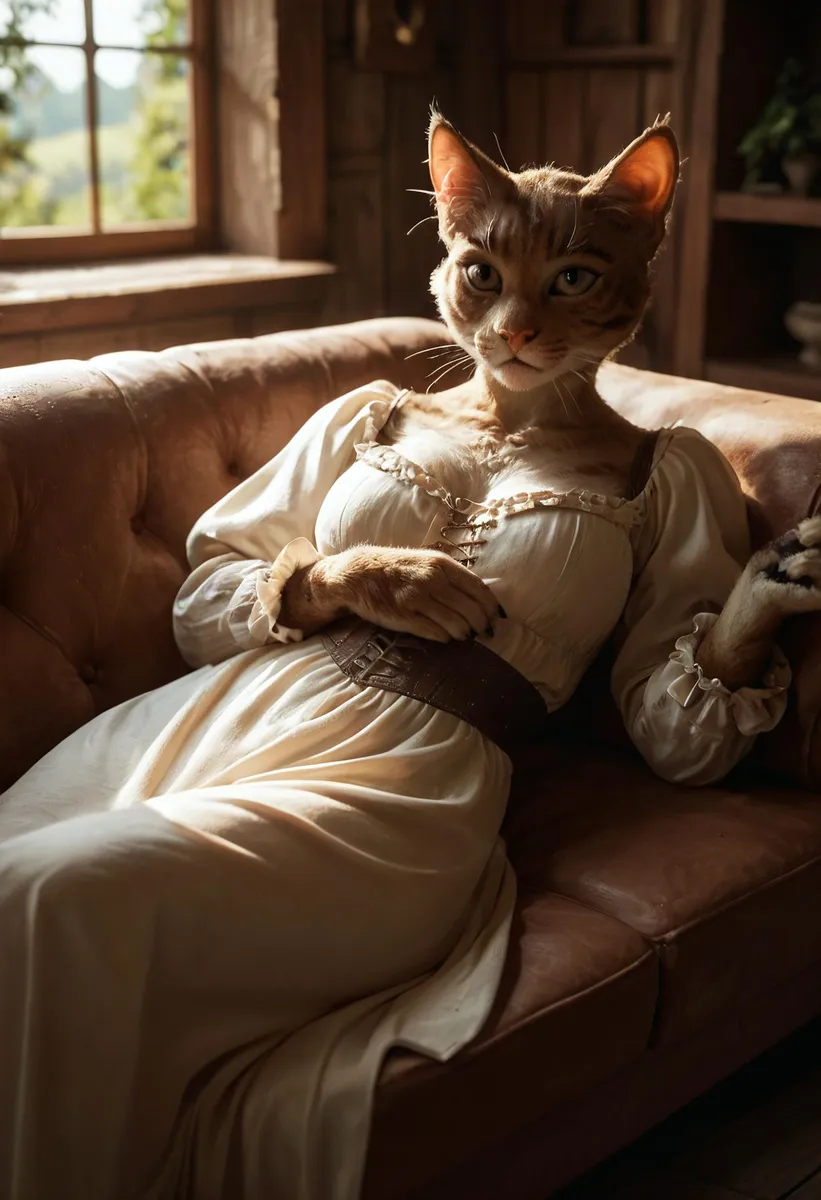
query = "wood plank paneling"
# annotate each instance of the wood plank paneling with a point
(522, 136)
(19, 351)
(496, 72)
(301, 139)
(377, 122)
(477, 91)
(659, 331)
(700, 83)
(356, 111)
(410, 256)
(605, 22)
(85, 342)
(613, 116)
(357, 235)
(564, 101)
(532, 30)
(662, 20)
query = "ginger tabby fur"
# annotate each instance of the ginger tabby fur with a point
(547, 273)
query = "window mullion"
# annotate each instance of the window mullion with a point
(89, 47)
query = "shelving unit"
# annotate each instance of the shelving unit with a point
(768, 210)
(746, 257)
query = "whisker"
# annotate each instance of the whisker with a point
(459, 363)
(418, 223)
(575, 400)
(561, 397)
(427, 349)
(593, 362)
(421, 191)
(444, 353)
(575, 223)
(570, 395)
(501, 152)
(462, 358)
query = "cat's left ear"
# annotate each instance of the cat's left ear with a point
(465, 181)
(644, 176)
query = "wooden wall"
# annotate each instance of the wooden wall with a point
(588, 98)
(567, 81)
(377, 123)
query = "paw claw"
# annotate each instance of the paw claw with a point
(788, 544)
(809, 531)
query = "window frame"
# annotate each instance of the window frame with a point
(52, 245)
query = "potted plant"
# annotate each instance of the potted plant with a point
(785, 142)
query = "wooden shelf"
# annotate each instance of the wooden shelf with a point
(768, 210)
(783, 376)
(637, 54)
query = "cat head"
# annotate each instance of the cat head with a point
(547, 271)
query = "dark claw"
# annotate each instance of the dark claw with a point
(788, 544)
(489, 631)
(775, 573)
(502, 613)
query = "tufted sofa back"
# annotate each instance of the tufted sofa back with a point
(105, 466)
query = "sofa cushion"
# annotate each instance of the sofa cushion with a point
(724, 883)
(576, 1003)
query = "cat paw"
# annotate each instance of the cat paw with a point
(788, 571)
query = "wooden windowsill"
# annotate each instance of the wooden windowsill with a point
(33, 299)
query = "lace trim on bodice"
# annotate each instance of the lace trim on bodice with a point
(468, 519)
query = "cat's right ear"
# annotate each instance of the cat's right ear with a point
(466, 182)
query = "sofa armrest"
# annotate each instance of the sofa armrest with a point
(774, 445)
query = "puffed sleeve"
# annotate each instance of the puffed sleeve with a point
(244, 549)
(688, 555)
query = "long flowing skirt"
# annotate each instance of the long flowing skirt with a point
(220, 905)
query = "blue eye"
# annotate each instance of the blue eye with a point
(573, 281)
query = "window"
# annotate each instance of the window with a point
(105, 128)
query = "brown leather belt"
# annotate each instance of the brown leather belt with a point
(463, 678)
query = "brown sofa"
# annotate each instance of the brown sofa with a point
(664, 935)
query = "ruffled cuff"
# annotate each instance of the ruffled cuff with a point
(755, 710)
(254, 610)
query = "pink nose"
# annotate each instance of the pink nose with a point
(516, 338)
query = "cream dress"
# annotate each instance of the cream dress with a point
(222, 902)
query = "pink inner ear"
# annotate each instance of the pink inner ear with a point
(463, 187)
(648, 174)
(455, 185)
(454, 174)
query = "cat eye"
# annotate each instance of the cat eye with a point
(483, 277)
(573, 281)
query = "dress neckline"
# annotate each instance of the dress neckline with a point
(617, 509)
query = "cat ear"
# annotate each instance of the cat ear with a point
(643, 176)
(466, 182)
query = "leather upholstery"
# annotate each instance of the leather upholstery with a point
(576, 1004)
(774, 444)
(105, 466)
(649, 914)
